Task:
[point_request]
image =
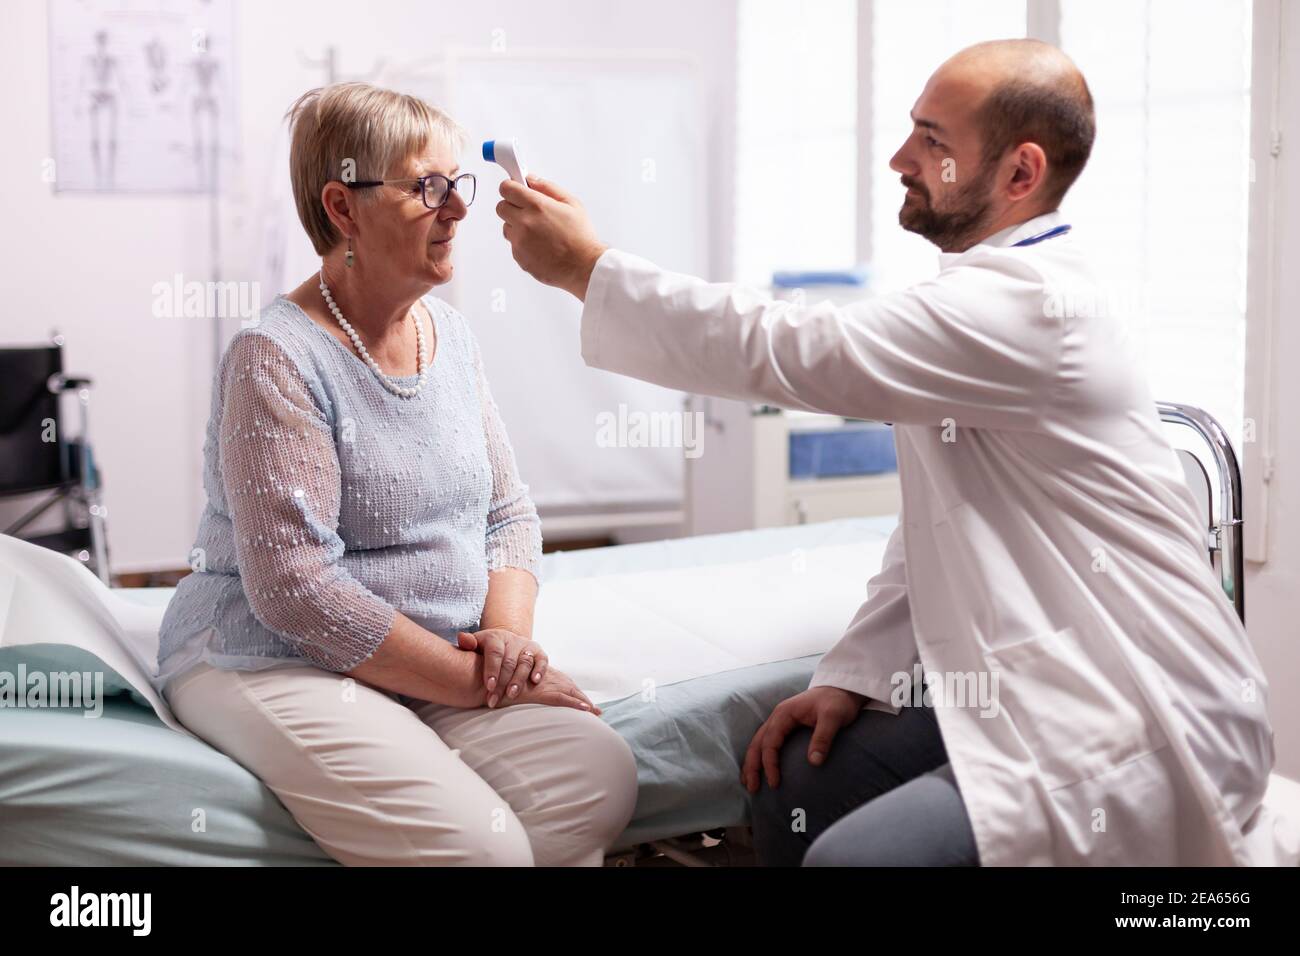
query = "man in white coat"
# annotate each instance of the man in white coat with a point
(1047, 546)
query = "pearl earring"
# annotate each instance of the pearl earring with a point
(348, 258)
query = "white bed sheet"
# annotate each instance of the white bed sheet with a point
(616, 634)
(48, 598)
(623, 634)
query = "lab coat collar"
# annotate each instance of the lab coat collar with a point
(1008, 236)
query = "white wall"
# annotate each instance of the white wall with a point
(1272, 509)
(87, 264)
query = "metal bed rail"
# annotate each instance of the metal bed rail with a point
(1226, 534)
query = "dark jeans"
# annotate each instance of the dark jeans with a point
(885, 796)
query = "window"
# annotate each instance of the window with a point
(796, 204)
(1163, 202)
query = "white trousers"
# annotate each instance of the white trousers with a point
(377, 778)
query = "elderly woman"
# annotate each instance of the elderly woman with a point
(358, 633)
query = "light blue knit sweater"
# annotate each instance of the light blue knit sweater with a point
(333, 503)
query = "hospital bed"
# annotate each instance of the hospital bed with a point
(687, 644)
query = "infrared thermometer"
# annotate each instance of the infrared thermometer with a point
(505, 153)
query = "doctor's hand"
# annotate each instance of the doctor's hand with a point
(824, 709)
(550, 235)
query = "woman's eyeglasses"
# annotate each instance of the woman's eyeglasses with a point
(434, 188)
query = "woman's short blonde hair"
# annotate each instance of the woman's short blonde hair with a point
(358, 132)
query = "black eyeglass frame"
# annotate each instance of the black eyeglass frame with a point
(424, 186)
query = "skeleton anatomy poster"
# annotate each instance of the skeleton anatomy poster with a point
(141, 94)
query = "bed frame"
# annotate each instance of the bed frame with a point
(1224, 536)
(733, 845)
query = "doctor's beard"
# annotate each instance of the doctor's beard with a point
(960, 222)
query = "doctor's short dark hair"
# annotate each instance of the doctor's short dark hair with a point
(1057, 116)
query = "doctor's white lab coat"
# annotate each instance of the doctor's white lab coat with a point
(1046, 535)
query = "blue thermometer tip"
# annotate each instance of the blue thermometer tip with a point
(489, 150)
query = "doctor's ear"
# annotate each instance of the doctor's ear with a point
(1028, 171)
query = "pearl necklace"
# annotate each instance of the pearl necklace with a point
(401, 391)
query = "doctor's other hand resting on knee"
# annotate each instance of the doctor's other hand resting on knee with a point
(824, 709)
